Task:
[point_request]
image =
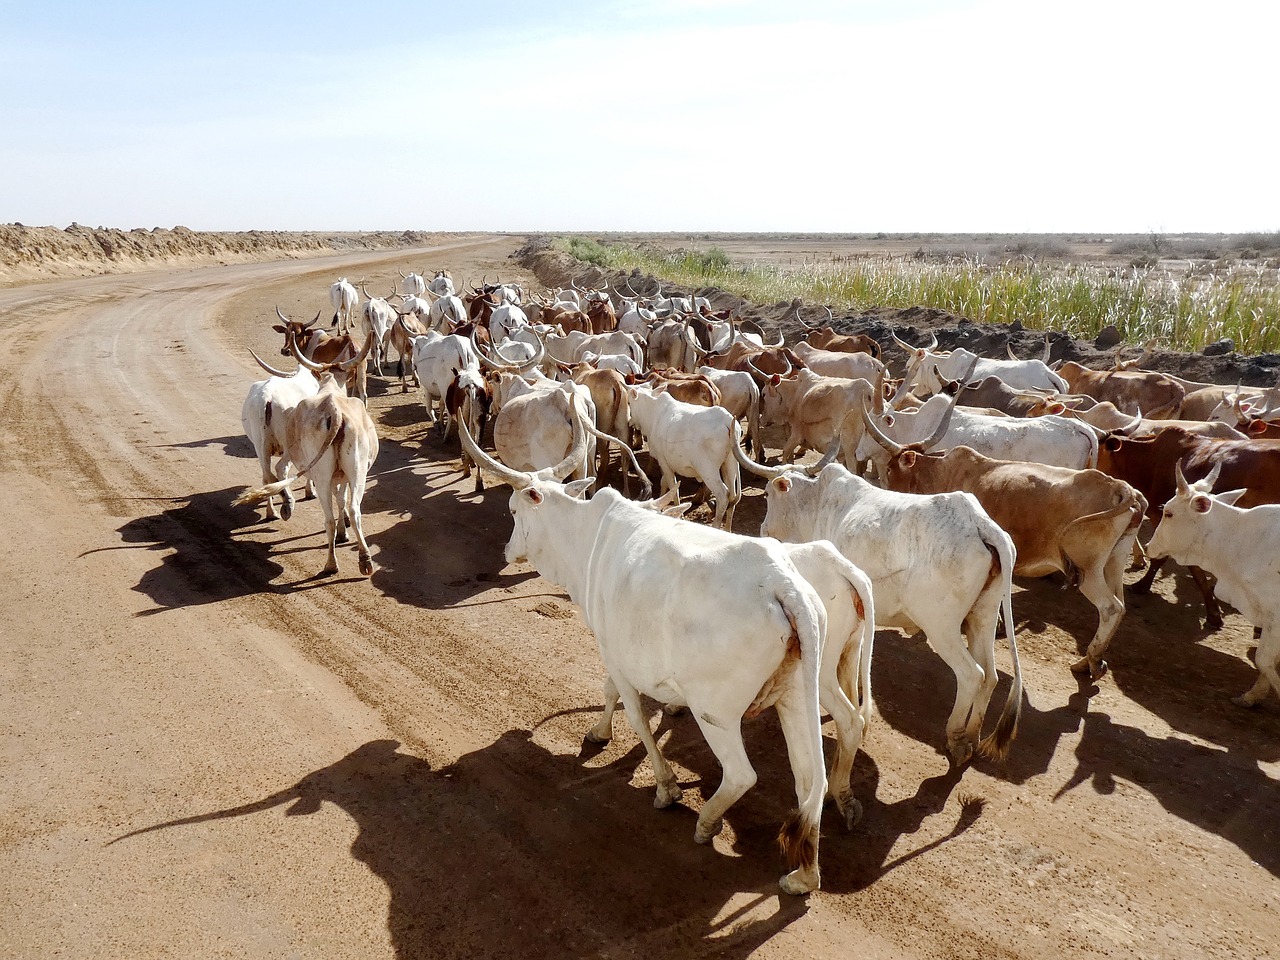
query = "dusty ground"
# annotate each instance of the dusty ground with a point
(207, 751)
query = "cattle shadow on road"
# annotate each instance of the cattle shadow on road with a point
(203, 562)
(237, 445)
(510, 851)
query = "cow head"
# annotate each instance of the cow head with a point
(1182, 530)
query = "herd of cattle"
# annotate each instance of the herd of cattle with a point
(1047, 468)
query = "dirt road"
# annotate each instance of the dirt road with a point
(207, 751)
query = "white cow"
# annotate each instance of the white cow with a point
(442, 284)
(414, 284)
(738, 629)
(378, 316)
(1054, 440)
(345, 298)
(938, 563)
(331, 439)
(265, 412)
(437, 359)
(835, 363)
(932, 366)
(691, 441)
(1239, 547)
(740, 395)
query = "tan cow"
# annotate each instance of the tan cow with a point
(331, 439)
(1078, 522)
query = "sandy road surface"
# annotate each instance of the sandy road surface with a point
(205, 751)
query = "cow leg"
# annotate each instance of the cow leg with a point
(1266, 659)
(737, 774)
(355, 496)
(1094, 585)
(849, 732)
(602, 732)
(949, 644)
(732, 480)
(330, 528)
(805, 768)
(1212, 610)
(980, 632)
(268, 476)
(340, 495)
(1148, 578)
(668, 789)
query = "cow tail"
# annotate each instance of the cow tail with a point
(996, 745)
(1093, 446)
(798, 837)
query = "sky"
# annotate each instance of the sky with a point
(860, 116)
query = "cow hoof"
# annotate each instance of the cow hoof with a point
(595, 736)
(343, 537)
(286, 511)
(1244, 701)
(705, 835)
(796, 883)
(1099, 671)
(667, 796)
(329, 571)
(1081, 665)
(961, 751)
(366, 566)
(673, 709)
(850, 809)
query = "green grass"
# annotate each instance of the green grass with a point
(1183, 310)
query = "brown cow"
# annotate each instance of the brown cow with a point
(1158, 397)
(1079, 522)
(319, 346)
(816, 410)
(826, 338)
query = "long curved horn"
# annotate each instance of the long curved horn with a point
(364, 291)
(759, 329)
(346, 365)
(800, 317)
(692, 339)
(537, 357)
(630, 454)
(309, 364)
(1131, 426)
(757, 372)
(1012, 355)
(270, 369)
(518, 479)
(1047, 348)
(402, 276)
(828, 458)
(577, 450)
(933, 344)
(941, 428)
(903, 344)
(751, 466)
(877, 434)
(282, 317)
(490, 363)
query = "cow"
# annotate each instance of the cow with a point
(345, 298)
(613, 416)
(1106, 416)
(330, 438)
(671, 346)
(825, 338)
(1156, 395)
(447, 313)
(686, 387)
(378, 316)
(1078, 522)
(266, 411)
(738, 629)
(691, 441)
(1150, 465)
(603, 318)
(414, 284)
(740, 395)
(437, 360)
(937, 564)
(1052, 440)
(992, 392)
(536, 423)
(1239, 546)
(442, 284)
(933, 366)
(319, 346)
(814, 409)
(832, 363)
(468, 399)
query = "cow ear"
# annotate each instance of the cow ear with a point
(1113, 444)
(781, 484)
(908, 459)
(1054, 409)
(278, 329)
(1201, 503)
(577, 488)
(888, 419)
(1256, 426)
(1231, 496)
(775, 379)
(533, 495)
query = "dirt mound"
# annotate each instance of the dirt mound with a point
(46, 253)
(914, 325)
